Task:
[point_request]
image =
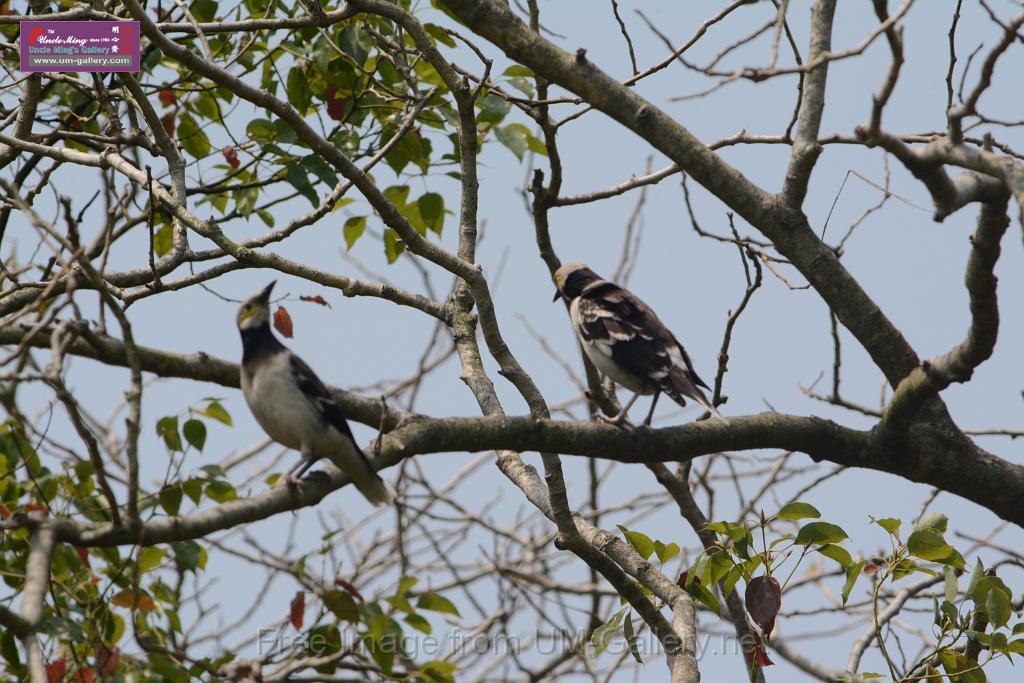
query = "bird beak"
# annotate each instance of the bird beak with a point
(265, 294)
(558, 295)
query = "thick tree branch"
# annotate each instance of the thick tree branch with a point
(959, 363)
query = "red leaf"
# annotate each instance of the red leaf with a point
(107, 661)
(169, 124)
(757, 655)
(315, 300)
(167, 97)
(5, 7)
(350, 589)
(84, 554)
(4, 511)
(298, 610)
(283, 322)
(764, 599)
(36, 507)
(84, 676)
(681, 581)
(56, 671)
(337, 107)
(231, 156)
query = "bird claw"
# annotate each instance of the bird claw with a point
(285, 479)
(620, 421)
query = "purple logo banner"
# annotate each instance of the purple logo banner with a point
(96, 46)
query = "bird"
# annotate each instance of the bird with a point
(626, 341)
(294, 407)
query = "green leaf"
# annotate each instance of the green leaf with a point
(837, 553)
(397, 195)
(342, 605)
(193, 488)
(297, 177)
(353, 229)
(640, 542)
(195, 433)
(820, 532)
(438, 671)
(949, 575)
(318, 167)
(170, 499)
(193, 138)
(204, 10)
(603, 634)
(795, 511)
(928, 544)
(215, 411)
(631, 638)
(518, 70)
(393, 245)
(189, 555)
(261, 130)
(221, 491)
(405, 584)
(437, 603)
(400, 603)
(890, 524)
(853, 572)
(719, 564)
(936, 522)
(439, 34)
(523, 85)
(9, 649)
(704, 596)
(514, 136)
(297, 87)
(665, 552)
(419, 623)
(150, 557)
(167, 427)
(977, 574)
(163, 240)
(431, 206)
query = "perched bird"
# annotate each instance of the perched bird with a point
(626, 341)
(294, 407)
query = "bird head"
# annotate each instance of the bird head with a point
(571, 278)
(255, 311)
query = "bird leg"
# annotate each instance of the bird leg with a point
(650, 414)
(297, 470)
(619, 419)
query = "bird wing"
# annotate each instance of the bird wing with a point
(320, 396)
(624, 326)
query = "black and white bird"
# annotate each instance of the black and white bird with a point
(294, 407)
(626, 341)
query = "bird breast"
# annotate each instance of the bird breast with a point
(278, 405)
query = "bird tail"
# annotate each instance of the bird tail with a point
(351, 460)
(684, 385)
(373, 488)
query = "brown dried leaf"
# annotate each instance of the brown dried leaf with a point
(297, 610)
(315, 300)
(337, 107)
(169, 124)
(764, 600)
(350, 589)
(56, 671)
(231, 156)
(283, 322)
(167, 97)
